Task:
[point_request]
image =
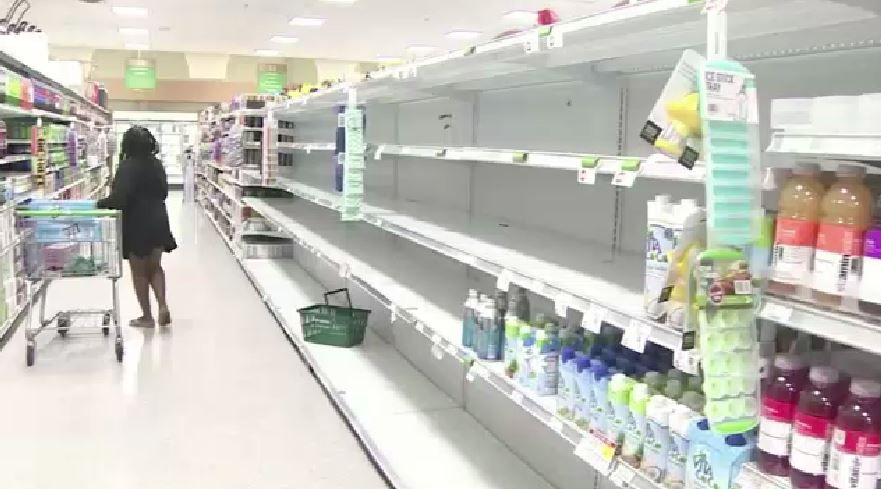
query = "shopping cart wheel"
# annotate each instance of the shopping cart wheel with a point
(119, 350)
(30, 354)
(63, 326)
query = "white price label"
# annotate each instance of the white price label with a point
(475, 371)
(504, 281)
(532, 42)
(537, 286)
(687, 361)
(308, 149)
(624, 178)
(636, 335)
(437, 351)
(587, 176)
(777, 312)
(556, 424)
(599, 455)
(743, 287)
(593, 318)
(622, 476)
(562, 303)
(714, 5)
(517, 397)
(554, 39)
(469, 260)
(379, 150)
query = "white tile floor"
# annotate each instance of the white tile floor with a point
(219, 400)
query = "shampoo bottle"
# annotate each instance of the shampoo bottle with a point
(619, 397)
(656, 447)
(634, 435)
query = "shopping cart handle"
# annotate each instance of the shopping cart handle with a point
(69, 213)
(337, 291)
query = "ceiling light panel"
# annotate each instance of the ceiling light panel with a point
(307, 21)
(283, 39)
(130, 11)
(266, 52)
(133, 31)
(463, 35)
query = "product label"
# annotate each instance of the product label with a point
(810, 444)
(676, 460)
(854, 460)
(660, 242)
(794, 250)
(869, 289)
(775, 430)
(838, 259)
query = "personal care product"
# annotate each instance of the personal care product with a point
(496, 339)
(512, 343)
(485, 325)
(619, 397)
(714, 460)
(634, 433)
(812, 429)
(779, 400)
(600, 408)
(681, 419)
(856, 443)
(469, 320)
(845, 215)
(547, 357)
(659, 247)
(566, 390)
(657, 444)
(870, 293)
(798, 218)
(525, 375)
(583, 402)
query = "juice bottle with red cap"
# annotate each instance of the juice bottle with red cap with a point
(856, 443)
(779, 400)
(812, 428)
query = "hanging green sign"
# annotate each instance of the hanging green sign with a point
(140, 74)
(271, 78)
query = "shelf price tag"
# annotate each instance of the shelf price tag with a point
(596, 451)
(556, 424)
(554, 39)
(517, 397)
(504, 281)
(777, 312)
(561, 304)
(532, 42)
(477, 370)
(622, 476)
(593, 318)
(537, 286)
(687, 361)
(636, 335)
(626, 174)
(379, 150)
(345, 271)
(587, 174)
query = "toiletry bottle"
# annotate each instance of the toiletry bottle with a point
(512, 343)
(547, 366)
(655, 381)
(812, 429)
(600, 403)
(634, 433)
(656, 447)
(797, 221)
(856, 443)
(779, 400)
(469, 320)
(485, 325)
(619, 396)
(845, 216)
(659, 246)
(525, 354)
(566, 392)
(681, 418)
(583, 381)
(496, 337)
(870, 293)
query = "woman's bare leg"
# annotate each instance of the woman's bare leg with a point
(141, 283)
(157, 282)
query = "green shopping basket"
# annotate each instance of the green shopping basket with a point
(334, 325)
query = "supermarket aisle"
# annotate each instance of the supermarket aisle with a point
(219, 400)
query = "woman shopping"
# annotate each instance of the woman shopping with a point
(139, 190)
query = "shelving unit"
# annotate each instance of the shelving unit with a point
(448, 208)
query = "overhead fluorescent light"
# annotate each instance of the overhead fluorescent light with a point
(463, 35)
(134, 31)
(266, 52)
(522, 16)
(130, 11)
(307, 21)
(283, 39)
(417, 50)
(134, 46)
(388, 59)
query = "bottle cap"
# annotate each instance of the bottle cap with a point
(789, 363)
(703, 424)
(865, 388)
(823, 375)
(737, 440)
(568, 353)
(805, 168)
(581, 363)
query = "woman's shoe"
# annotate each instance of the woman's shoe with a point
(164, 318)
(142, 322)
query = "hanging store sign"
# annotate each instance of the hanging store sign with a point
(271, 78)
(140, 74)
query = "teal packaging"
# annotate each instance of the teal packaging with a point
(469, 321)
(599, 407)
(620, 387)
(547, 361)
(584, 384)
(714, 460)
(566, 389)
(656, 446)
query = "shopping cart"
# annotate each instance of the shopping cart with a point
(69, 239)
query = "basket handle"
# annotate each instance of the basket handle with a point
(337, 291)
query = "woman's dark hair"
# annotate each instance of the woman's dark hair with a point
(138, 142)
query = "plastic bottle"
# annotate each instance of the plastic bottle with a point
(583, 402)
(485, 326)
(812, 429)
(655, 381)
(525, 376)
(522, 308)
(634, 434)
(512, 343)
(656, 447)
(619, 397)
(870, 293)
(469, 320)
(797, 221)
(856, 443)
(779, 400)
(846, 214)
(681, 418)
(659, 246)
(566, 393)
(547, 360)
(601, 408)
(673, 389)
(496, 340)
